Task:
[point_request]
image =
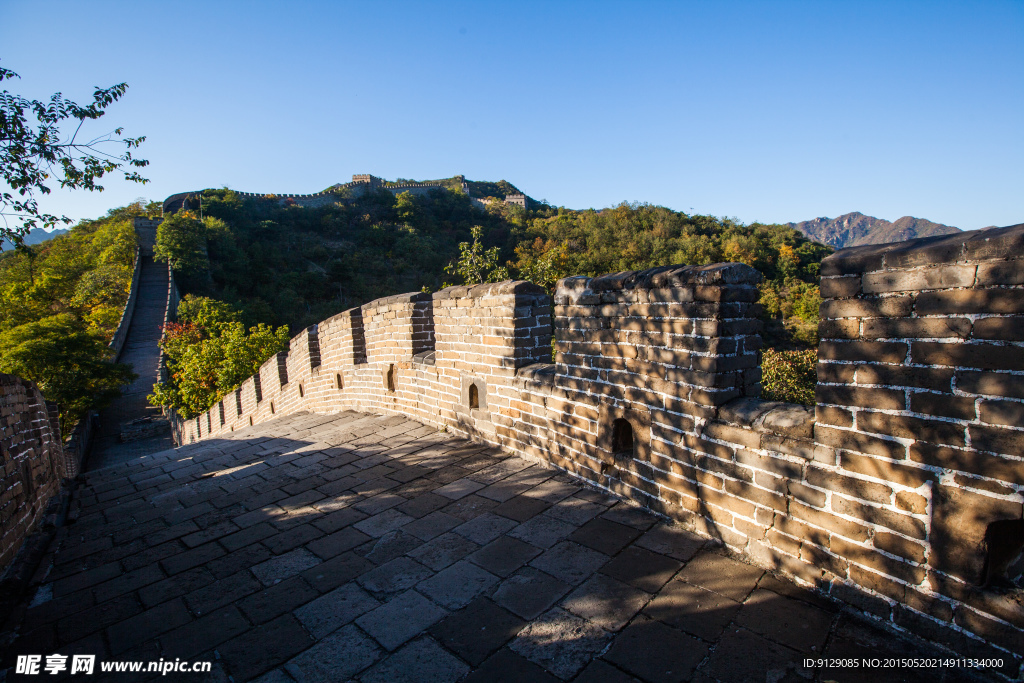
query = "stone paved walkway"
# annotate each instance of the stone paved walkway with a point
(141, 351)
(357, 547)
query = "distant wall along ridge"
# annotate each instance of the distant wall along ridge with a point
(361, 183)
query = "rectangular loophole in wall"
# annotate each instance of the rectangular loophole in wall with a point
(473, 394)
(624, 434)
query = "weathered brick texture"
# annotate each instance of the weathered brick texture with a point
(920, 388)
(33, 462)
(880, 495)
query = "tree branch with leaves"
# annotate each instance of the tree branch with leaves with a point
(54, 149)
(475, 264)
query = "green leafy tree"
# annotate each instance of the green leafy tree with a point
(72, 366)
(209, 353)
(475, 264)
(33, 154)
(181, 241)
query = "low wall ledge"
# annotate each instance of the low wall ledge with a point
(991, 243)
(425, 357)
(488, 289)
(772, 417)
(537, 372)
(675, 276)
(410, 297)
(345, 315)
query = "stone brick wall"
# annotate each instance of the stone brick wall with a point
(145, 232)
(881, 496)
(33, 464)
(117, 342)
(921, 381)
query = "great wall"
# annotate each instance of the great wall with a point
(361, 184)
(899, 494)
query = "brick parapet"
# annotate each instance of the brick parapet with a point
(859, 496)
(920, 368)
(121, 333)
(33, 462)
(689, 333)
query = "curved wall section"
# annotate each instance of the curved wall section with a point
(892, 494)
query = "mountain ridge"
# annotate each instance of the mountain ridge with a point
(856, 229)
(36, 236)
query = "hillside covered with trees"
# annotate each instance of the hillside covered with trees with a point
(62, 301)
(275, 264)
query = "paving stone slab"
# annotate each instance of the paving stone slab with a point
(570, 562)
(641, 568)
(443, 551)
(506, 666)
(521, 508)
(485, 528)
(264, 647)
(745, 656)
(379, 524)
(285, 566)
(423, 504)
(630, 515)
(606, 602)
(599, 671)
(422, 661)
(469, 507)
(657, 653)
(457, 585)
(400, 619)
(693, 609)
(724, 575)
(459, 488)
(504, 555)
(222, 592)
(477, 630)
(784, 620)
(333, 610)
(604, 535)
(338, 657)
(397, 575)
(389, 546)
(560, 642)
(204, 633)
(542, 531)
(673, 541)
(272, 602)
(529, 592)
(432, 525)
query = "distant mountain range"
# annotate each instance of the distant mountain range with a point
(36, 236)
(854, 229)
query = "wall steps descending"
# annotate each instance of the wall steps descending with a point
(130, 416)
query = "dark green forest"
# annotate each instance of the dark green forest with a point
(288, 265)
(282, 265)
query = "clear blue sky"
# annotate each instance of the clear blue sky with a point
(770, 111)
